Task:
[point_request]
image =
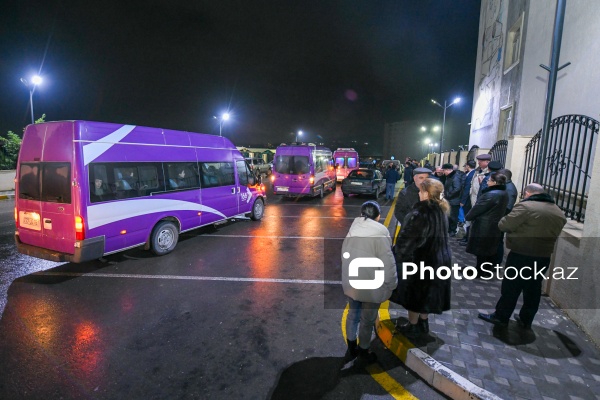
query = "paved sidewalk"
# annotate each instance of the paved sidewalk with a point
(554, 361)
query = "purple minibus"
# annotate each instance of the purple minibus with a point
(88, 189)
(346, 161)
(303, 170)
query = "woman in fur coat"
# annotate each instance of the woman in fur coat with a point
(424, 238)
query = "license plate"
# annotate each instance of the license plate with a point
(356, 183)
(282, 188)
(30, 220)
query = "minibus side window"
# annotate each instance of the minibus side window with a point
(29, 182)
(99, 188)
(182, 176)
(321, 164)
(217, 174)
(243, 173)
(56, 178)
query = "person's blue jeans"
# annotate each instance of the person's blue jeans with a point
(363, 315)
(390, 188)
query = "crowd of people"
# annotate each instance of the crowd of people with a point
(429, 209)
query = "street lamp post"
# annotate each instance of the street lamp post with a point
(31, 85)
(444, 107)
(224, 117)
(299, 133)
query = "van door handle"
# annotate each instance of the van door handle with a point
(232, 190)
(238, 189)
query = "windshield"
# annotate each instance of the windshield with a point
(293, 165)
(361, 174)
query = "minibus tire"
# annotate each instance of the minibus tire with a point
(164, 238)
(322, 194)
(258, 210)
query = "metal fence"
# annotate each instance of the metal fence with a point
(498, 151)
(472, 152)
(567, 164)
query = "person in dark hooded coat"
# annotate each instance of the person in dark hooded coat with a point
(484, 234)
(424, 238)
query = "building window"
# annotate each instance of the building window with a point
(505, 126)
(513, 45)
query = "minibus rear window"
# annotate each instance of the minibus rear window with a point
(45, 182)
(294, 165)
(29, 182)
(55, 182)
(351, 162)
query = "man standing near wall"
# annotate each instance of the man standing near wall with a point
(452, 188)
(532, 228)
(480, 173)
(391, 177)
(465, 195)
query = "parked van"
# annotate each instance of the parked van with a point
(303, 170)
(88, 189)
(346, 161)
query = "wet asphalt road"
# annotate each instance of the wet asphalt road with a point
(235, 312)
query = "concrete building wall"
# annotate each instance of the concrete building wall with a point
(576, 93)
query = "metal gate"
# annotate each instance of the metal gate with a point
(567, 165)
(498, 151)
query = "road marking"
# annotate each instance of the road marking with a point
(189, 278)
(301, 216)
(276, 237)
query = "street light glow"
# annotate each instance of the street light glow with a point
(36, 79)
(423, 129)
(444, 107)
(225, 117)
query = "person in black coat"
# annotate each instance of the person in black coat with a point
(410, 194)
(452, 189)
(423, 238)
(512, 192)
(408, 173)
(489, 209)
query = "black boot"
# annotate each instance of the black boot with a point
(366, 355)
(424, 325)
(352, 351)
(411, 331)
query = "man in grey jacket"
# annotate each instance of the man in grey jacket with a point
(366, 251)
(532, 228)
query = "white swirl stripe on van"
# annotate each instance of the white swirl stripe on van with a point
(103, 214)
(94, 150)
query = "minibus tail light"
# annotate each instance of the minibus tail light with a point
(79, 234)
(272, 178)
(312, 179)
(16, 219)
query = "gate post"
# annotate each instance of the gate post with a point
(515, 158)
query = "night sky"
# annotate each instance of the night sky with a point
(337, 70)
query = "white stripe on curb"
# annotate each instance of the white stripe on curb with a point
(443, 379)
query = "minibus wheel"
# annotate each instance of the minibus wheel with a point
(322, 194)
(164, 238)
(258, 209)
